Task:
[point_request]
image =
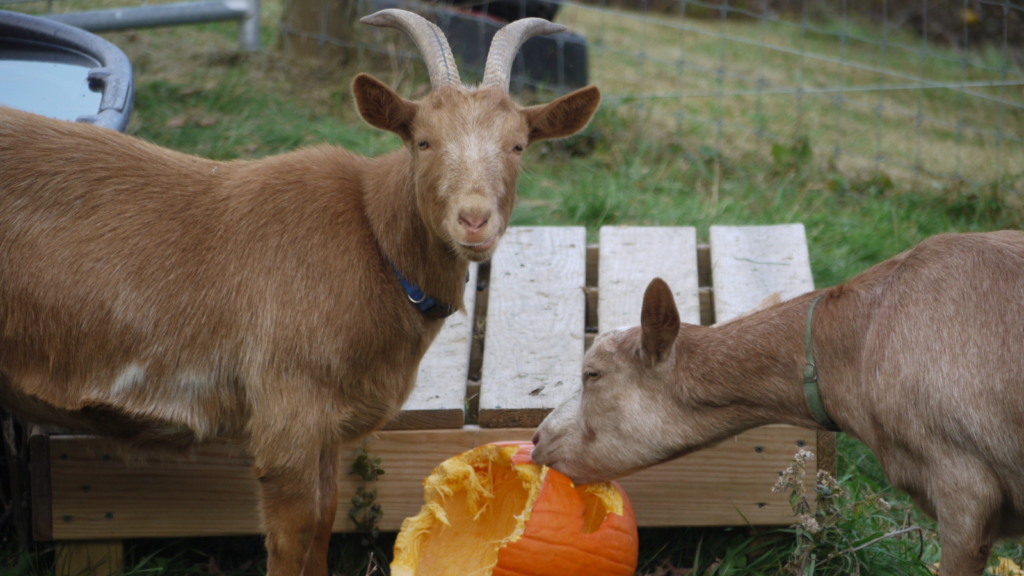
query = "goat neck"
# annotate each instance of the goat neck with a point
(754, 365)
(423, 257)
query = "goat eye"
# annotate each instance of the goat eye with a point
(517, 148)
(593, 374)
(424, 144)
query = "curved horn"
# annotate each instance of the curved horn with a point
(507, 43)
(428, 39)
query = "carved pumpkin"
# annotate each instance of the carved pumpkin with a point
(493, 512)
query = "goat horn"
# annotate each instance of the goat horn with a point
(507, 42)
(428, 39)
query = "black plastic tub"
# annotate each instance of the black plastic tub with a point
(63, 72)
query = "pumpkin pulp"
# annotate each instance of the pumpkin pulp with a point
(478, 504)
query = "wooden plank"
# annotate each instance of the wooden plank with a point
(724, 486)
(748, 263)
(631, 256)
(213, 493)
(703, 265)
(533, 353)
(439, 399)
(727, 485)
(751, 262)
(42, 515)
(826, 454)
(96, 558)
(99, 491)
(593, 254)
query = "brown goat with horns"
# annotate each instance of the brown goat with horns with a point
(169, 300)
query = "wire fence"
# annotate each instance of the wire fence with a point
(870, 92)
(927, 91)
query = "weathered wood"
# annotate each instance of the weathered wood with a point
(633, 255)
(748, 263)
(728, 485)
(703, 265)
(306, 26)
(213, 493)
(593, 263)
(707, 306)
(42, 515)
(707, 294)
(826, 453)
(100, 491)
(94, 558)
(439, 399)
(592, 304)
(534, 339)
(535, 324)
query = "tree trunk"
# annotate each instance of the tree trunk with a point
(323, 29)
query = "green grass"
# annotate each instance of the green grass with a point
(658, 58)
(638, 163)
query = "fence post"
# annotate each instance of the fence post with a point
(249, 28)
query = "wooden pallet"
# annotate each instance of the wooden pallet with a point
(535, 308)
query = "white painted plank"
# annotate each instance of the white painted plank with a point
(748, 263)
(533, 351)
(630, 257)
(439, 399)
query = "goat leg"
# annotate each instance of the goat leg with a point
(968, 514)
(290, 516)
(327, 499)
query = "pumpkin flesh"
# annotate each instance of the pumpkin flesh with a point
(492, 512)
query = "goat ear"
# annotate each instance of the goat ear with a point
(382, 108)
(564, 116)
(659, 321)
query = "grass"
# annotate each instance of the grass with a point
(938, 131)
(666, 161)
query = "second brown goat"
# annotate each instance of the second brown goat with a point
(920, 357)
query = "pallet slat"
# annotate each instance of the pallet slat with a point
(439, 398)
(533, 348)
(630, 256)
(728, 485)
(749, 263)
(98, 493)
(722, 486)
(534, 339)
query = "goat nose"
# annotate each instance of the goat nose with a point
(474, 222)
(536, 437)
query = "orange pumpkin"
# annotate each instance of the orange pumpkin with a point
(493, 512)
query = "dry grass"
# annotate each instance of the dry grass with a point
(651, 60)
(643, 63)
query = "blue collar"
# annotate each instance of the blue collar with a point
(427, 305)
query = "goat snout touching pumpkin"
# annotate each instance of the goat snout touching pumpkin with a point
(919, 357)
(168, 300)
(492, 512)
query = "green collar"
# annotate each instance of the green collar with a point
(811, 391)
